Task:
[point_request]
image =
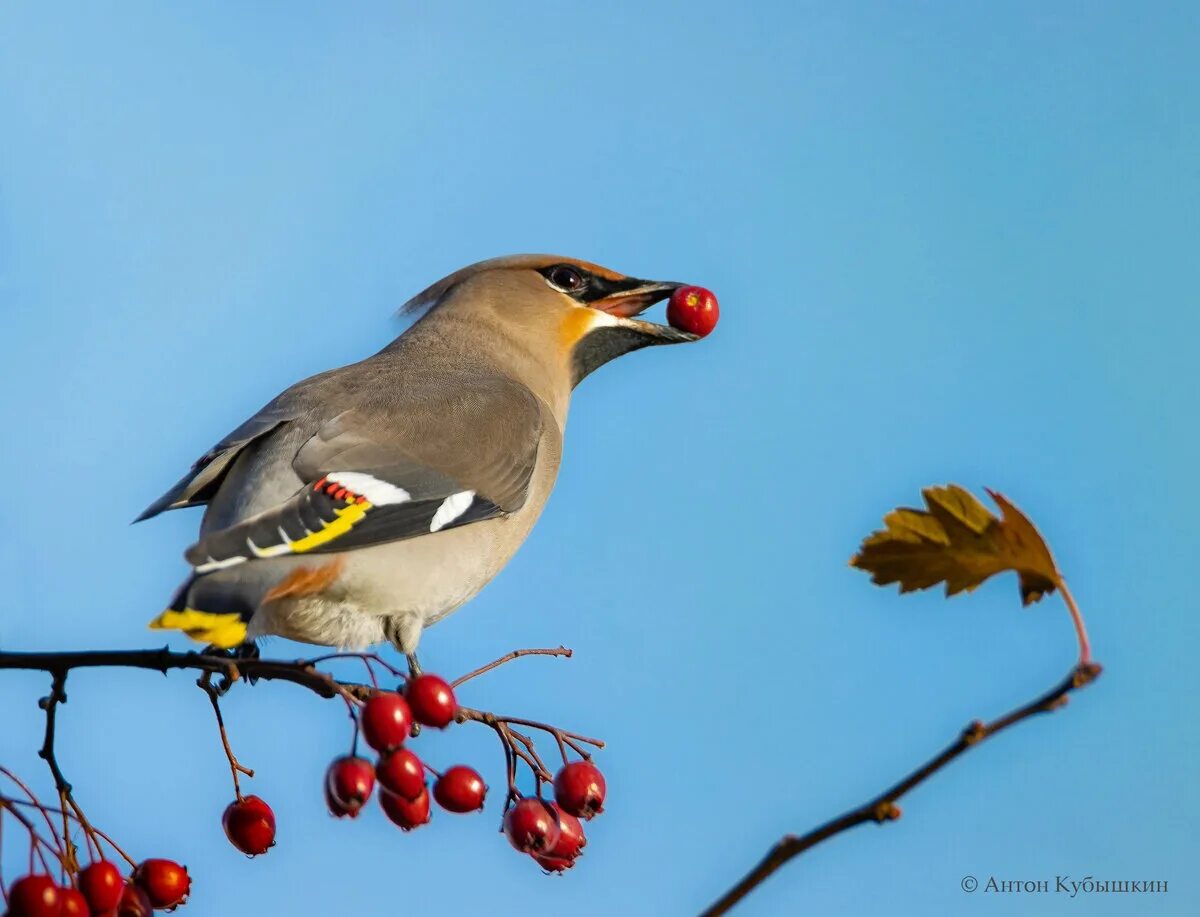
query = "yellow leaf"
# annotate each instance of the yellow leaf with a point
(957, 540)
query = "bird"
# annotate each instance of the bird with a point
(368, 502)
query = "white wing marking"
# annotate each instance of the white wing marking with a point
(452, 507)
(379, 493)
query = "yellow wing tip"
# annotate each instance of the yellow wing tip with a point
(223, 630)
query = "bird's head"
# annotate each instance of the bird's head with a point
(580, 313)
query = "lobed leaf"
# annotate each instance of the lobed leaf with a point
(958, 541)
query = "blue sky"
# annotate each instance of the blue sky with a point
(952, 242)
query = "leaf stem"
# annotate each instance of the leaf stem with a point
(1085, 648)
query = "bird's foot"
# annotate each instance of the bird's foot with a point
(247, 650)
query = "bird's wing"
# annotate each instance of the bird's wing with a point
(203, 479)
(388, 470)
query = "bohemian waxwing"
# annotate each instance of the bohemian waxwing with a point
(368, 502)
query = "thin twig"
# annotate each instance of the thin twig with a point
(482, 716)
(36, 841)
(50, 704)
(509, 657)
(883, 807)
(32, 801)
(536, 764)
(46, 810)
(235, 766)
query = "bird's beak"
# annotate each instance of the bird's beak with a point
(635, 299)
(625, 304)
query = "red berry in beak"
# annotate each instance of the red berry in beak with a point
(460, 789)
(579, 789)
(407, 814)
(349, 782)
(250, 825)
(401, 772)
(34, 896)
(432, 700)
(102, 885)
(386, 720)
(532, 826)
(165, 882)
(694, 310)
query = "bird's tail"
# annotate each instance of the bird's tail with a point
(207, 613)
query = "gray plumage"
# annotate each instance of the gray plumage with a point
(367, 502)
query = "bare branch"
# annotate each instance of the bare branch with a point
(509, 657)
(883, 807)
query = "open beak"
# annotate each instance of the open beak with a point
(625, 304)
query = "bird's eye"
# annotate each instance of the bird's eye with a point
(566, 278)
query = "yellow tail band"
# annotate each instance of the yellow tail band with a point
(223, 630)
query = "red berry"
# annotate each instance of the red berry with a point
(531, 826)
(350, 781)
(73, 903)
(432, 700)
(134, 903)
(250, 825)
(336, 809)
(386, 720)
(34, 896)
(571, 839)
(555, 864)
(460, 789)
(407, 813)
(579, 789)
(693, 309)
(101, 884)
(165, 882)
(401, 772)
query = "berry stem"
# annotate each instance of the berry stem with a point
(32, 802)
(235, 766)
(46, 810)
(426, 765)
(540, 770)
(117, 849)
(356, 730)
(36, 841)
(369, 660)
(562, 748)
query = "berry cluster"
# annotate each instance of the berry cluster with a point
(387, 721)
(549, 831)
(99, 890)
